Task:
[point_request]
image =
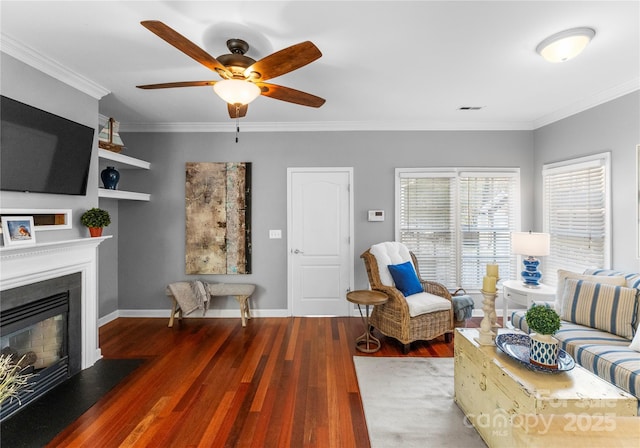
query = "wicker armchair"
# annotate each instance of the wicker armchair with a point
(393, 318)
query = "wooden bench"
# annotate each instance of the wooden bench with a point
(240, 291)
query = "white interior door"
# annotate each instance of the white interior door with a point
(320, 234)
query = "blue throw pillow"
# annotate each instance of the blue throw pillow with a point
(405, 278)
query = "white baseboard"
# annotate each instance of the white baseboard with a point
(108, 318)
(480, 313)
(222, 313)
(210, 314)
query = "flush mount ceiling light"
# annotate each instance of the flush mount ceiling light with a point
(237, 91)
(565, 45)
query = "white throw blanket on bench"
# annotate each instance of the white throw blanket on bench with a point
(190, 296)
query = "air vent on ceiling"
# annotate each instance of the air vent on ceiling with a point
(470, 107)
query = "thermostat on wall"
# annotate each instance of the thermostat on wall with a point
(376, 215)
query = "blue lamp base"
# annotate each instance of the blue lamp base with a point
(531, 275)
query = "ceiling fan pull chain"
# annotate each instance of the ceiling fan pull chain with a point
(237, 121)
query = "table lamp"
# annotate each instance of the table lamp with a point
(530, 245)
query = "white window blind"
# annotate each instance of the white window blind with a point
(576, 214)
(488, 215)
(427, 209)
(458, 221)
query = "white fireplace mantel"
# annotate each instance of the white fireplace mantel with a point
(26, 264)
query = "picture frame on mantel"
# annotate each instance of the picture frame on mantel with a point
(18, 231)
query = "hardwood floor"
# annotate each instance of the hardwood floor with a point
(279, 382)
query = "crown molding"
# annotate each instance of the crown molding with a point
(328, 126)
(588, 103)
(339, 126)
(50, 67)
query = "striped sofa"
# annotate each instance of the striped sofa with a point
(603, 352)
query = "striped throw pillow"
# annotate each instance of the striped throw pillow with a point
(632, 278)
(605, 307)
(601, 278)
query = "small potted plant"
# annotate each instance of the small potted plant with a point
(95, 219)
(543, 347)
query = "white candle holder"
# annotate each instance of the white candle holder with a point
(487, 335)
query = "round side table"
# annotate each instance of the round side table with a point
(367, 343)
(515, 291)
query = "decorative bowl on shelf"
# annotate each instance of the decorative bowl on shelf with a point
(516, 346)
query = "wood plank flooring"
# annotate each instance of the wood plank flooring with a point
(279, 382)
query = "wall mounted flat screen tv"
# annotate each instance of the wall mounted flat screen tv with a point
(41, 152)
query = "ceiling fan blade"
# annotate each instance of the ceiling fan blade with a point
(290, 95)
(168, 85)
(240, 112)
(183, 44)
(283, 61)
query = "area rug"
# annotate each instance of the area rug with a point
(408, 402)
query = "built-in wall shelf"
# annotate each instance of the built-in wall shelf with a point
(43, 219)
(120, 194)
(121, 162)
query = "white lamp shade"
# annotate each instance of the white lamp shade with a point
(236, 91)
(565, 45)
(530, 243)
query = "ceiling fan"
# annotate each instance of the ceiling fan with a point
(243, 77)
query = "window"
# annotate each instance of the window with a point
(456, 221)
(576, 214)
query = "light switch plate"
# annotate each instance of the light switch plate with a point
(275, 234)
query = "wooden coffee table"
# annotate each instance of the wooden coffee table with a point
(367, 343)
(500, 396)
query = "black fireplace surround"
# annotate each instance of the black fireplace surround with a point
(27, 305)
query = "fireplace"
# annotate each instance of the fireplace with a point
(40, 325)
(49, 306)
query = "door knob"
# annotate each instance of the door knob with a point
(298, 251)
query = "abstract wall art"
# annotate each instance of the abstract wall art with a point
(218, 217)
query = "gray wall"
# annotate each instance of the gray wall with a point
(28, 85)
(108, 261)
(151, 235)
(613, 126)
(31, 86)
(147, 250)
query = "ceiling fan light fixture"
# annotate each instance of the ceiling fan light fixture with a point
(236, 91)
(565, 45)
